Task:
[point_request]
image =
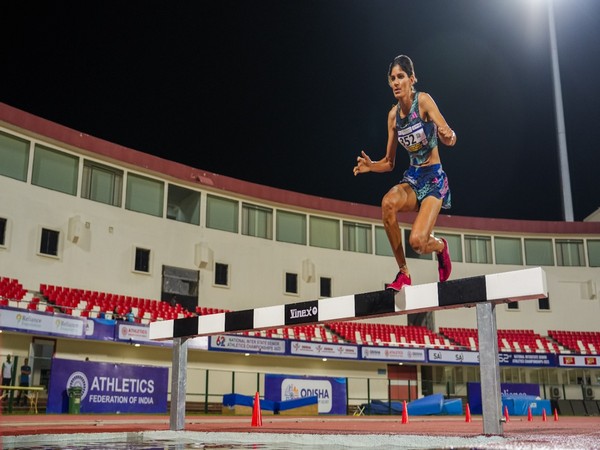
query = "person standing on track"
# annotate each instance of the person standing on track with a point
(416, 122)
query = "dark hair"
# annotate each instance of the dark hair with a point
(405, 64)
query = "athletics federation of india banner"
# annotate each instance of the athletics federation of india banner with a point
(108, 387)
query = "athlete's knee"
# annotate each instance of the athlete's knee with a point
(418, 241)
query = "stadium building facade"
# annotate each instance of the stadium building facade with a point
(93, 218)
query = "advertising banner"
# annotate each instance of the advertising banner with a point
(331, 392)
(323, 350)
(453, 357)
(108, 387)
(42, 323)
(507, 389)
(132, 332)
(467, 357)
(579, 361)
(393, 354)
(100, 329)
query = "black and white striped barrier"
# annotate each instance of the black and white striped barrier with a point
(526, 284)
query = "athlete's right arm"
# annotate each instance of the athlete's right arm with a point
(365, 164)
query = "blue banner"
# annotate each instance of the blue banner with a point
(508, 390)
(108, 387)
(100, 329)
(331, 392)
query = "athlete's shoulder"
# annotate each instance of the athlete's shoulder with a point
(426, 101)
(393, 112)
(424, 97)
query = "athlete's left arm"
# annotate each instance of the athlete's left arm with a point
(432, 112)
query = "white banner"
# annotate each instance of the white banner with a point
(393, 353)
(579, 361)
(323, 349)
(23, 320)
(451, 356)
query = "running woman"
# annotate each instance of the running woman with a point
(416, 122)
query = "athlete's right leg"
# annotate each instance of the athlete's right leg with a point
(401, 198)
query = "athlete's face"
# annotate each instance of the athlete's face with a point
(400, 82)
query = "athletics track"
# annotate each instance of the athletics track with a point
(566, 433)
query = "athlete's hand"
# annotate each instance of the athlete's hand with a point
(363, 164)
(447, 135)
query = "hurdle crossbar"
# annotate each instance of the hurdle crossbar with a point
(526, 284)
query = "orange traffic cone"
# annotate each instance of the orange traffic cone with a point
(529, 416)
(544, 418)
(555, 415)
(256, 414)
(506, 417)
(468, 414)
(404, 412)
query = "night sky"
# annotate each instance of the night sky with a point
(287, 93)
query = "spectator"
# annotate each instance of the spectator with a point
(130, 317)
(24, 382)
(6, 373)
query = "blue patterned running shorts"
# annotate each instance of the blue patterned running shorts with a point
(428, 180)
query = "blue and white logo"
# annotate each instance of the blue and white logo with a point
(78, 379)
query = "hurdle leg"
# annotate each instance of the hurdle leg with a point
(489, 369)
(178, 383)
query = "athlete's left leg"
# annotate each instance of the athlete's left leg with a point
(421, 239)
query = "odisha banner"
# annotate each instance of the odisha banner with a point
(331, 392)
(108, 387)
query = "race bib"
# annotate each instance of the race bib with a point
(412, 138)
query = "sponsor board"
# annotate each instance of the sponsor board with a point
(323, 350)
(393, 353)
(330, 392)
(578, 361)
(33, 322)
(504, 359)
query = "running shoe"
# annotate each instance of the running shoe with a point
(444, 262)
(399, 282)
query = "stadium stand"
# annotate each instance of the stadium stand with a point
(513, 341)
(583, 342)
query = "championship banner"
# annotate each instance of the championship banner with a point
(108, 387)
(235, 343)
(42, 323)
(331, 392)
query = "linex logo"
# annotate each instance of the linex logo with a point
(301, 312)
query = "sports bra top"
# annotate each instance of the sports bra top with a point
(418, 137)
